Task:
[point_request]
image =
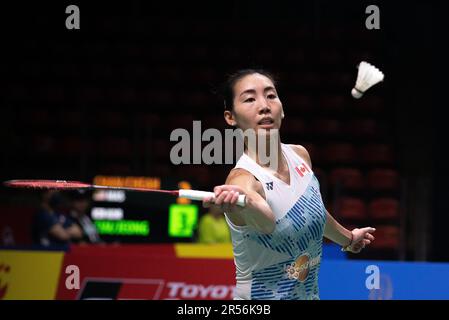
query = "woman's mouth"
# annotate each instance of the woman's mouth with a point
(266, 123)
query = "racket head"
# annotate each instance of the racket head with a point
(47, 184)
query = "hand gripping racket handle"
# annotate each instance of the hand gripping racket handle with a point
(201, 195)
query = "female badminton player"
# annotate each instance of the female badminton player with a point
(277, 236)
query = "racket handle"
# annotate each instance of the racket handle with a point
(201, 195)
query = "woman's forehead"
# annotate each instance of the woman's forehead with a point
(253, 81)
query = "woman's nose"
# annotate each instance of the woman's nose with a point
(264, 107)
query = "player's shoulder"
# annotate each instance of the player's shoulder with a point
(244, 179)
(302, 152)
(240, 175)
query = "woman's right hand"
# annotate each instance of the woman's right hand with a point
(226, 197)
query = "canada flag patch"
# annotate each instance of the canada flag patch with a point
(302, 169)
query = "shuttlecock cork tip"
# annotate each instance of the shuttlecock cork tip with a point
(356, 93)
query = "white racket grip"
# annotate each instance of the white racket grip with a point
(201, 195)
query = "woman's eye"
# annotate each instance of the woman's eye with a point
(272, 96)
(250, 100)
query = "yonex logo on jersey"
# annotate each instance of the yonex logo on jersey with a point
(302, 169)
(269, 185)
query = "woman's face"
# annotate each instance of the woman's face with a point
(256, 104)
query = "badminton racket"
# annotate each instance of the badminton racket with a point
(70, 185)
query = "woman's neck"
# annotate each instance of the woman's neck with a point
(270, 158)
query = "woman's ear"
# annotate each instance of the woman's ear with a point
(229, 117)
(283, 115)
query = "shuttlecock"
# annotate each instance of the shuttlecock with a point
(367, 77)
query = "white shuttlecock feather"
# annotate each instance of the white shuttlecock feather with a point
(368, 75)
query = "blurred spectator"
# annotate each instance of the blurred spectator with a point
(79, 206)
(213, 227)
(7, 237)
(51, 226)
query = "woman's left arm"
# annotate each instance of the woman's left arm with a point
(353, 241)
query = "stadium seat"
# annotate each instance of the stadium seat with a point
(70, 119)
(148, 119)
(330, 57)
(160, 150)
(363, 128)
(325, 127)
(73, 146)
(294, 126)
(351, 208)
(332, 103)
(387, 237)
(340, 154)
(384, 208)
(383, 180)
(369, 105)
(377, 154)
(115, 147)
(299, 103)
(214, 121)
(348, 178)
(111, 120)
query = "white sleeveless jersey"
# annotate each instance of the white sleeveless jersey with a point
(283, 264)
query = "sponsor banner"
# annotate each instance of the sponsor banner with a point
(29, 275)
(188, 273)
(128, 274)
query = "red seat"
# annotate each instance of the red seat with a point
(126, 96)
(351, 208)
(36, 117)
(377, 154)
(299, 102)
(197, 99)
(70, 118)
(214, 121)
(115, 147)
(43, 144)
(159, 98)
(184, 121)
(348, 178)
(148, 119)
(73, 146)
(340, 153)
(307, 80)
(294, 57)
(366, 128)
(387, 237)
(294, 126)
(111, 120)
(91, 95)
(326, 127)
(383, 179)
(370, 104)
(330, 57)
(332, 102)
(161, 149)
(384, 208)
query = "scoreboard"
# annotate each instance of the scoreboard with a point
(143, 217)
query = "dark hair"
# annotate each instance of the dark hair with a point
(227, 88)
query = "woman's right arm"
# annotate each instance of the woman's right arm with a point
(256, 213)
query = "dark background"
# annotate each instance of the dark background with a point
(104, 99)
